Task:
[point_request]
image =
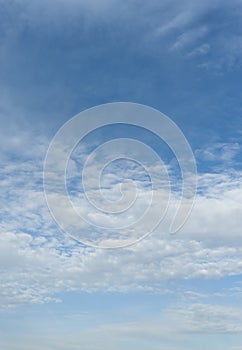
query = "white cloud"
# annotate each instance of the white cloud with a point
(32, 272)
(199, 51)
(186, 26)
(219, 151)
(189, 38)
(185, 319)
(207, 318)
(37, 260)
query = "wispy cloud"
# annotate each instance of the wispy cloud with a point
(189, 38)
(208, 318)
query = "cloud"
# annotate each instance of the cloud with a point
(38, 261)
(205, 318)
(186, 319)
(199, 51)
(186, 323)
(189, 38)
(220, 151)
(187, 28)
(34, 270)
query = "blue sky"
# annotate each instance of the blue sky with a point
(166, 292)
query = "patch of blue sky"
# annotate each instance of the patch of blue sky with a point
(76, 60)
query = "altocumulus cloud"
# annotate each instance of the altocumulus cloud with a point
(38, 261)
